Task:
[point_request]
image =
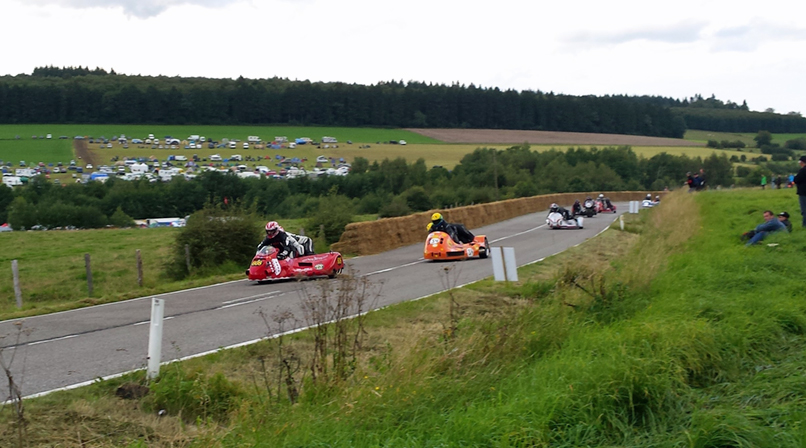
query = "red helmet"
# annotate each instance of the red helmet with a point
(272, 228)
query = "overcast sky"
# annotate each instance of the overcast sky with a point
(737, 50)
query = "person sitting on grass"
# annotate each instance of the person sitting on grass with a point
(761, 231)
(784, 218)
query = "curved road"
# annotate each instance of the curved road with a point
(72, 348)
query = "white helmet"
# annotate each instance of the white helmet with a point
(601, 195)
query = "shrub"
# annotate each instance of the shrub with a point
(798, 144)
(335, 212)
(742, 171)
(397, 207)
(121, 219)
(714, 144)
(215, 237)
(417, 199)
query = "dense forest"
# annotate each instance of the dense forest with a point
(55, 95)
(389, 188)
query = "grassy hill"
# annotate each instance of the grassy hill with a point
(670, 333)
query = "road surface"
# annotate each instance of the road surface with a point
(72, 348)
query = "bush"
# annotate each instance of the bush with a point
(397, 207)
(335, 212)
(743, 171)
(215, 237)
(417, 199)
(121, 219)
(779, 157)
(714, 144)
(798, 144)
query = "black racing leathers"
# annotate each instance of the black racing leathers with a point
(285, 244)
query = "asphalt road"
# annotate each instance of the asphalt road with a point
(71, 348)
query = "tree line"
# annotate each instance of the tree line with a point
(387, 188)
(78, 95)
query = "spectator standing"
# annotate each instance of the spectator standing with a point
(763, 181)
(800, 182)
(778, 182)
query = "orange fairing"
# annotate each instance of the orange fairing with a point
(440, 246)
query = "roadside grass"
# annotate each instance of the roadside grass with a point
(35, 151)
(53, 273)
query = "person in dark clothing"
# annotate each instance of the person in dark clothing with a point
(457, 232)
(576, 209)
(561, 210)
(800, 183)
(286, 245)
(784, 218)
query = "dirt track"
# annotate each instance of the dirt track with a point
(493, 136)
(83, 153)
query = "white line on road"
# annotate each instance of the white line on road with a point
(147, 321)
(54, 339)
(421, 260)
(517, 234)
(265, 294)
(271, 296)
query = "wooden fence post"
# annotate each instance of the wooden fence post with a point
(89, 274)
(15, 270)
(139, 268)
(187, 256)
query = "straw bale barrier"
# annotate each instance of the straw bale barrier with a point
(372, 237)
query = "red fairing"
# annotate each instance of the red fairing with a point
(266, 266)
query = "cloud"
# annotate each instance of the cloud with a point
(675, 34)
(137, 8)
(747, 38)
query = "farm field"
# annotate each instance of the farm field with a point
(433, 151)
(53, 275)
(747, 138)
(267, 133)
(34, 151)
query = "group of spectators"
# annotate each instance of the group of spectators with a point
(771, 224)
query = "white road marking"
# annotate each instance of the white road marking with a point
(421, 260)
(517, 234)
(270, 296)
(265, 294)
(53, 340)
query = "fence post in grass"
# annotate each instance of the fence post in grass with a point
(187, 257)
(139, 268)
(155, 337)
(89, 274)
(15, 271)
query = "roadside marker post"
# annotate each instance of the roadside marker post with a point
(634, 206)
(621, 221)
(155, 337)
(89, 274)
(15, 272)
(505, 268)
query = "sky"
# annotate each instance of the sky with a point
(736, 50)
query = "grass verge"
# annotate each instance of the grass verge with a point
(670, 333)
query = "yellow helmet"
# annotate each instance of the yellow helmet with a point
(436, 216)
(428, 227)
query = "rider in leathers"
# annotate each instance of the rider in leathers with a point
(285, 243)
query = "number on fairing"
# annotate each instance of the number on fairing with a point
(434, 241)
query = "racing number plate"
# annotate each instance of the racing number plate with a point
(434, 241)
(257, 263)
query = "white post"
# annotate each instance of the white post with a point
(505, 268)
(15, 272)
(621, 221)
(155, 337)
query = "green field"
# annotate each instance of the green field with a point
(670, 333)
(747, 138)
(267, 133)
(35, 151)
